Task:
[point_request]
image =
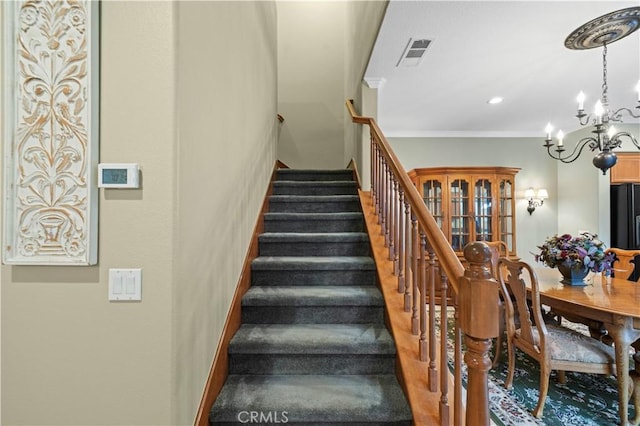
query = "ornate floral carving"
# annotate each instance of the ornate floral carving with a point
(50, 151)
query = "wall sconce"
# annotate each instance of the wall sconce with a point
(535, 200)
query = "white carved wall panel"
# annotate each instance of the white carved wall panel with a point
(50, 122)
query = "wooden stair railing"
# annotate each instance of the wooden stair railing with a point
(424, 262)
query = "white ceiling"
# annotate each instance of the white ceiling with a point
(481, 49)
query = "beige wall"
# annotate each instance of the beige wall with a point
(323, 49)
(311, 76)
(69, 356)
(225, 157)
(200, 122)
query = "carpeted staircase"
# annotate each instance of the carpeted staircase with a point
(313, 348)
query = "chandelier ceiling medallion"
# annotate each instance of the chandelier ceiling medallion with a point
(599, 32)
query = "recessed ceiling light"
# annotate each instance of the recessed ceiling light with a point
(495, 100)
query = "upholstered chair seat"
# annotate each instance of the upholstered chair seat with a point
(565, 344)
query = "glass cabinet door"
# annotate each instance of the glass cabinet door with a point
(470, 203)
(432, 196)
(506, 214)
(482, 199)
(459, 213)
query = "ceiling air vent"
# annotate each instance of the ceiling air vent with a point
(413, 52)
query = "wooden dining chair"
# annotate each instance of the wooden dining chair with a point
(498, 249)
(553, 347)
(623, 265)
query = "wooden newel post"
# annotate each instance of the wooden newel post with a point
(478, 308)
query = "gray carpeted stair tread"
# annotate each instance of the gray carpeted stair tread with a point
(337, 399)
(326, 263)
(312, 339)
(314, 172)
(313, 304)
(287, 216)
(313, 270)
(293, 187)
(314, 222)
(313, 198)
(314, 175)
(314, 244)
(313, 296)
(336, 237)
(314, 203)
(314, 183)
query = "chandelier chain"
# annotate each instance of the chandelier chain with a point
(605, 87)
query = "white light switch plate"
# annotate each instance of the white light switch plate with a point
(125, 284)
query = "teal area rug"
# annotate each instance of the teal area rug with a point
(585, 399)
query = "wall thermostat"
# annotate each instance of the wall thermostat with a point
(118, 175)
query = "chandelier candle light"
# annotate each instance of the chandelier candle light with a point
(599, 32)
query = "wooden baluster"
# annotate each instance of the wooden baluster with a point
(387, 205)
(478, 295)
(393, 189)
(383, 193)
(383, 197)
(418, 294)
(433, 368)
(418, 287)
(397, 212)
(374, 147)
(444, 331)
(414, 264)
(423, 294)
(400, 255)
(407, 248)
(457, 368)
(379, 185)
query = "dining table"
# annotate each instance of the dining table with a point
(614, 302)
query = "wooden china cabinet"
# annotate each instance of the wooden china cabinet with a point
(470, 203)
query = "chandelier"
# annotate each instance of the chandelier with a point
(598, 32)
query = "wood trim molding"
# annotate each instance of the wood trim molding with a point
(469, 170)
(220, 365)
(281, 165)
(354, 167)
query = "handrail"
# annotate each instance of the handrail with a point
(428, 269)
(446, 255)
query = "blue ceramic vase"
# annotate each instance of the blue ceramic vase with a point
(573, 275)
